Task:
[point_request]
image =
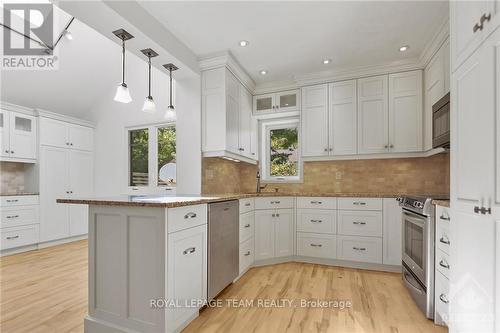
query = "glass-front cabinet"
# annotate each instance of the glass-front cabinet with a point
(285, 101)
(18, 136)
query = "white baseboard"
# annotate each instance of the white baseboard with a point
(17, 250)
(61, 241)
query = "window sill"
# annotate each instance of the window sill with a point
(284, 181)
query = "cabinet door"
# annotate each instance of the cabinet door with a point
(284, 233)
(392, 232)
(54, 133)
(22, 136)
(81, 180)
(343, 118)
(288, 100)
(245, 119)
(4, 133)
(54, 219)
(264, 234)
(186, 272)
(405, 112)
(254, 139)
(464, 16)
(373, 115)
(232, 113)
(315, 120)
(264, 103)
(81, 137)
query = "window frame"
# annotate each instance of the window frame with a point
(266, 126)
(152, 187)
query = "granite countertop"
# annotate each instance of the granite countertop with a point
(444, 203)
(164, 201)
(11, 194)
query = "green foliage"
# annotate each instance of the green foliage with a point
(284, 143)
(166, 145)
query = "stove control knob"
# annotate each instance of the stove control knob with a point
(399, 199)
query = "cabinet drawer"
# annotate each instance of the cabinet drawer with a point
(316, 245)
(443, 263)
(274, 202)
(360, 203)
(186, 217)
(247, 225)
(443, 238)
(317, 220)
(360, 223)
(18, 236)
(364, 249)
(247, 205)
(18, 215)
(19, 200)
(442, 296)
(246, 255)
(317, 202)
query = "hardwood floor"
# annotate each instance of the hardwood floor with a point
(46, 291)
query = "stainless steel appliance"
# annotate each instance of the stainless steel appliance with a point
(223, 245)
(441, 123)
(418, 250)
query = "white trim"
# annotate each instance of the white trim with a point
(433, 46)
(17, 108)
(375, 156)
(230, 156)
(61, 117)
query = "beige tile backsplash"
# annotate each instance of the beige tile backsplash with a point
(430, 175)
(12, 177)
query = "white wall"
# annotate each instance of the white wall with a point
(112, 118)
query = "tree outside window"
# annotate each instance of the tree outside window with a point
(284, 152)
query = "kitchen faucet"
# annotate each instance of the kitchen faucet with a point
(259, 188)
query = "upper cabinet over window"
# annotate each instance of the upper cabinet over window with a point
(18, 132)
(285, 101)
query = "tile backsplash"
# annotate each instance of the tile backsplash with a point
(430, 175)
(12, 177)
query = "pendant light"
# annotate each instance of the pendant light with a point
(122, 93)
(149, 105)
(170, 113)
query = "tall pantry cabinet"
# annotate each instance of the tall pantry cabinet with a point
(66, 171)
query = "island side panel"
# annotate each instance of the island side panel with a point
(126, 268)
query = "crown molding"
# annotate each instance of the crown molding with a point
(61, 117)
(433, 46)
(226, 59)
(17, 108)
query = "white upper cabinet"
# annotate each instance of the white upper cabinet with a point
(232, 113)
(245, 126)
(471, 23)
(405, 112)
(314, 120)
(373, 114)
(81, 137)
(277, 102)
(65, 135)
(18, 135)
(342, 118)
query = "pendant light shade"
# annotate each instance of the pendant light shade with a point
(122, 93)
(149, 104)
(170, 113)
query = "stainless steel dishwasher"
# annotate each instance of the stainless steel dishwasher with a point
(223, 245)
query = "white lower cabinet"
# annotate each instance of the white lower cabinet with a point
(19, 221)
(360, 223)
(247, 231)
(442, 299)
(356, 248)
(316, 220)
(247, 255)
(316, 245)
(13, 237)
(274, 233)
(392, 232)
(442, 265)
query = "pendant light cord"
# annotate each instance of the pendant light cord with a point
(171, 106)
(149, 64)
(123, 61)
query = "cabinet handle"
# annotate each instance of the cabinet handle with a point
(316, 202)
(444, 240)
(391, 146)
(444, 299)
(274, 215)
(67, 143)
(316, 221)
(247, 254)
(247, 204)
(359, 203)
(277, 215)
(12, 152)
(444, 264)
(386, 146)
(71, 143)
(189, 250)
(316, 245)
(359, 223)
(482, 210)
(241, 149)
(275, 202)
(7, 151)
(326, 149)
(12, 200)
(359, 248)
(444, 218)
(12, 216)
(12, 237)
(485, 18)
(274, 107)
(247, 225)
(190, 216)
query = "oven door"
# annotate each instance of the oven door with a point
(415, 245)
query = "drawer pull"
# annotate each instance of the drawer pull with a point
(359, 223)
(247, 254)
(444, 299)
(275, 202)
(444, 240)
(190, 215)
(12, 237)
(247, 225)
(359, 248)
(189, 250)
(316, 221)
(12, 216)
(444, 264)
(12, 200)
(359, 203)
(247, 204)
(314, 202)
(444, 218)
(316, 245)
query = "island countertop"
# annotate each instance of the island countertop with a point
(172, 201)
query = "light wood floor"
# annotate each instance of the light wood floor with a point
(46, 291)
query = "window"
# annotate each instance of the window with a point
(152, 157)
(281, 157)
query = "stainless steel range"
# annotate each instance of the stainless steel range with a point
(418, 250)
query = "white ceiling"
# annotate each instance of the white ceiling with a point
(291, 38)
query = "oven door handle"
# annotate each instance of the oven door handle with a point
(417, 289)
(414, 218)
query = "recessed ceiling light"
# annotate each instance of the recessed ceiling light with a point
(404, 48)
(326, 61)
(244, 43)
(263, 72)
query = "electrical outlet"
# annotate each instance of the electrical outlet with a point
(338, 175)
